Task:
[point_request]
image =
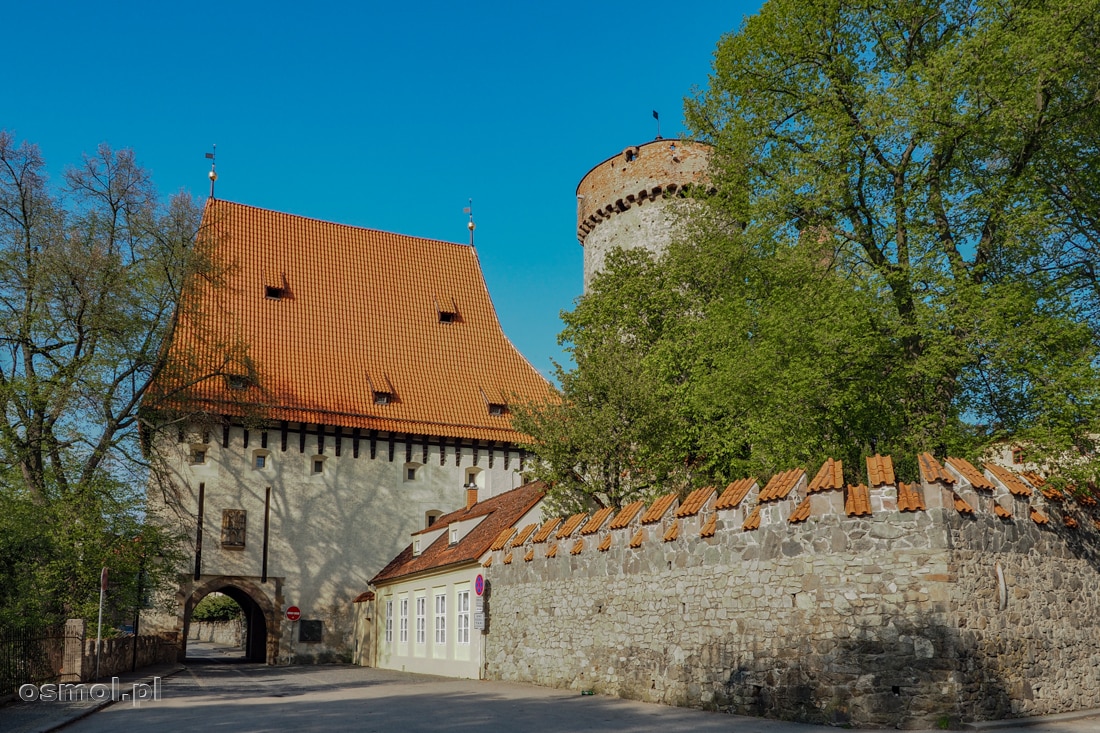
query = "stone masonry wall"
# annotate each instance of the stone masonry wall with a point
(892, 619)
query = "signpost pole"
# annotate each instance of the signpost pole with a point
(99, 626)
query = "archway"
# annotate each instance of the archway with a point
(260, 620)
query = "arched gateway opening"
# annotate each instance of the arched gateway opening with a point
(258, 616)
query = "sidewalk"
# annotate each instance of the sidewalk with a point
(41, 717)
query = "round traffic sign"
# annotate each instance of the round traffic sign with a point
(293, 613)
(479, 585)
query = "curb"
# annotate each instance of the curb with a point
(987, 725)
(105, 704)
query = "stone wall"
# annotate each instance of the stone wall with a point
(229, 633)
(887, 619)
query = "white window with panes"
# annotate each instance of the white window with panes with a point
(404, 621)
(463, 617)
(440, 619)
(389, 621)
(421, 619)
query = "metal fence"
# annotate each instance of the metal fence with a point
(31, 655)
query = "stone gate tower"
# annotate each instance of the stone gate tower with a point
(629, 200)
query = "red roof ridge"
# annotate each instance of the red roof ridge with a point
(966, 469)
(626, 515)
(931, 470)
(910, 498)
(735, 493)
(858, 501)
(880, 471)
(1012, 482)
(597, 520)
(781, 484)
(546, 530)
(694, 502)
(659, 508)
(571, 525)
(829, 477)
(753, 520)
(801, 512)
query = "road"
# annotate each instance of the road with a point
(214, 694)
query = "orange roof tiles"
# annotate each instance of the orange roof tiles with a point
(1001, 512)
(605, 544)
(880, 470)
(360, 314)
(502, 538)
(626, 515)
(858, 501)
(636, 540)
(801, 512)
(1069, 521)
(829, 477)
(710, 527)
(1085, 497)
(735, 493)
(753, 520)
(508, 559)
(498, 513)
(546, 530)
(1011, 481)
(931, 471)
(530, 555)
(659, 508)
(577, 547)
(695, 502)
(961, 506)
(597, 520)
(1048, 490)
(781, 485)
(571, 525)
(1052, 494)
(910, 498)
(1037, 516)
(523, 534)
(488, 561)
(553, 551)
(971, 474)
(672, 532)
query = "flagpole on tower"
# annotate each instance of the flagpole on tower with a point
(658, 118)
(470, 210)
(213, 174)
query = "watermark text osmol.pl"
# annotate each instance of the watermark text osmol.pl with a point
(136, 693)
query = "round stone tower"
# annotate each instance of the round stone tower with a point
(628, 200)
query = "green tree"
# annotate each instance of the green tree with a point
(90, 274)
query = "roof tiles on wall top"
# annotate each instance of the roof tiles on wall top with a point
(1037, 516)
(910, 498)
(1085, 497)
(960, 504)
(597, 520)
(638, 538)
(735, 493)
(695, 502)
(571, 525)
(626, 515)
(502, 538)
(880, 471)
(1049, 491)
(781, 485)
(931, 471)
(523, 534)
(659, 508)
(546, 530)
(828, 478)
(710, 527)
(359, 314)
(530, 554)
(858, 501)
(969, 473)
(605, 544)
(1069, 521)
(1012, 482)
(1001, 512)
(553, 551)
(801, 512)
(488, 561)
(577, 547)
(753, 520)
(508, 559)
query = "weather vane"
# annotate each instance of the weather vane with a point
(470, 210)
(213, 174)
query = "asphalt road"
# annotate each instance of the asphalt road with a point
(215, 694)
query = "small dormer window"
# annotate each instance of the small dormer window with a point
(416, 546)
(447, 316)
(274, 293)
(453, 535)
(383, 398)
(497, 409)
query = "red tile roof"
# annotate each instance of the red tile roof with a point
(500, 512)
(1011, 481)
(781, 485)
(605, 544)
(626, 515)
(961, 506)
(659, 508)
(360, 315)
(695, 501)
(829, 477)
(523, 534)
(577, 547)
(1001, 512)
(597, 520)
(636, 540)
(553, 551)
(502, 538)
(910, 498)
(858, 501)
(508, 559)
(880, 470)
(931, 470)
(753, 520)
(801, 512)
(571, 525)
(672, 532)
(1037, 516)
(530, 554)
(546, 530)
(735, 493)
(971, 474)
(710, 527)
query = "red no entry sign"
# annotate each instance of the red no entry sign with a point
(293, 613)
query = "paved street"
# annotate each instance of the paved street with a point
(215, 692)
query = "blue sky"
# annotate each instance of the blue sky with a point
(383, 115)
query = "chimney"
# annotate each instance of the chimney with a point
(471, 495)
